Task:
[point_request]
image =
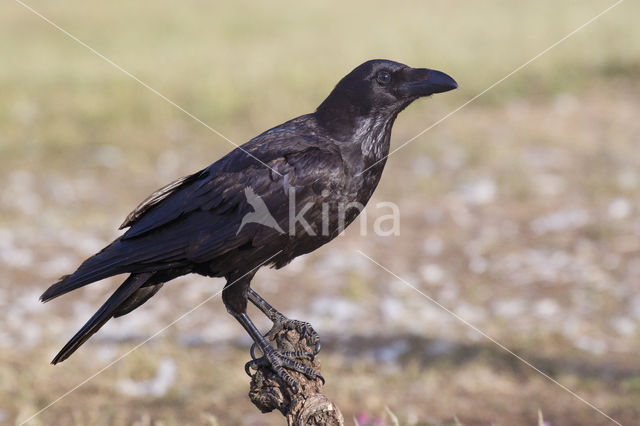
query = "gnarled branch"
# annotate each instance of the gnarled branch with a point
(307, 407)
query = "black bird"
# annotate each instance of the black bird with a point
(311, 166)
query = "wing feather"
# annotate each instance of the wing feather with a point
(219, 189)
(157, 197)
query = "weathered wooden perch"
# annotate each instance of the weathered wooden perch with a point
(307, 407)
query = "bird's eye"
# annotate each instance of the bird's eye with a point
(383, 77)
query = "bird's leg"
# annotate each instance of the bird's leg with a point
(235, 295)
(281, 322)
(276, 360)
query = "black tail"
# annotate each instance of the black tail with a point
(104, 264)
(104, 314)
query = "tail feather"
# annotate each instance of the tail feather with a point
(102, 265)
(137, 299)
(104, 314)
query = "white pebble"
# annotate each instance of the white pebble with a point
(432, 273)
(619, 208)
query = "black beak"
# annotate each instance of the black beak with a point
(424, 82)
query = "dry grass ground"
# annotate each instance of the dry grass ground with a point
(520, 213)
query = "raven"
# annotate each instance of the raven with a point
(205, 224)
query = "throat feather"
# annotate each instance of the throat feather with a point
(373, 134)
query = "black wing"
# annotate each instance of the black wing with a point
(216, 194)
(197, 218)
(157, 197)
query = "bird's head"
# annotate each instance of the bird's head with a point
(380, 88)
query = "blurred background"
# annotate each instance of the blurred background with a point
(520, 213)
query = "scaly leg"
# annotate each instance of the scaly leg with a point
(276, 360)
(281, 322)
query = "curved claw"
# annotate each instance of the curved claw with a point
(247, 368)
(255, 363)
(252, 352)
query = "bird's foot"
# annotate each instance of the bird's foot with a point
(291, 336)
(304, 330)
(279, 361)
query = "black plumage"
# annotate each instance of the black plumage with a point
(331, 157)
